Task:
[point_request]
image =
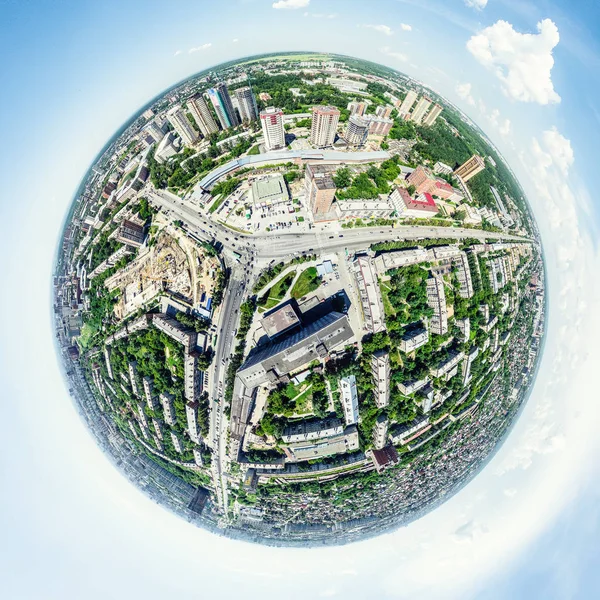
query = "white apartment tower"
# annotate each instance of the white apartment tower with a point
(432, 115)
(191, 411)
(380, 368)
(246, 104)
(420, 109)
(154, 129)
(357, 130)
(182, 126)
(324, 125)
(202, 115)
(436, 299)
(271, 121)
(407, 103)
(349, 397)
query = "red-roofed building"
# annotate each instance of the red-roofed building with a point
(384, 458)
(423, 206)
(426, 183)
(444, 190)
(422, 179)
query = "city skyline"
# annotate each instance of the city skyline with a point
(548, 437)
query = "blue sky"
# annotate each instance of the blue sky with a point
(73, 72)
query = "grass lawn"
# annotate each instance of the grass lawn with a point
(302, 399)
(254, 150)
(87, 332)
(308, 282)
(387, 305)
(275, 294)
(216, 203)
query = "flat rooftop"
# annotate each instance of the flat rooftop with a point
(280, 320)
(269, 189)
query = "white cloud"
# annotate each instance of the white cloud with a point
(385, 29)
(510, 492)
(502, 125)
(235, 40)
(397, 55)
(177, 53)
(548, 162)
(464, 91)
(405, 27)
(476, 4)
(291, 4)
(521, 61)
(199, 48)
(504, 128)
(321, 15)
(559, 148)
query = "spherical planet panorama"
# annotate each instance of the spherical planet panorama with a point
(299, 299)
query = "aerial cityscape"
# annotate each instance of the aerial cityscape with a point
(300, 299)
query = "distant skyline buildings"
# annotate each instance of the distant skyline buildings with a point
(407, 103)
(357, 108)
(432, 115)
(420, 109)
(221, 101)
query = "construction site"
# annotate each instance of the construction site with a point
(172, 264)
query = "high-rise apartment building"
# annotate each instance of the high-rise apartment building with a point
(385, 112)
(357, 108)
(420, 109)
(470, 168)
(271, 121)
(349, 398)
(202, 115)
(436, 299)
(320, 188)
(247, 104)
(380, 368)
(407, 103)
(324, 125)
(379, 125)
(220, 99)
(154, 130)
(357, 131)
(182, 126)
(432, 115)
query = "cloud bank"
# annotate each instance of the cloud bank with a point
(521, 61)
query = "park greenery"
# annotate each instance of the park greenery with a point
(276, 293)
(272, 272)
(307, 282)
(369, 184)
